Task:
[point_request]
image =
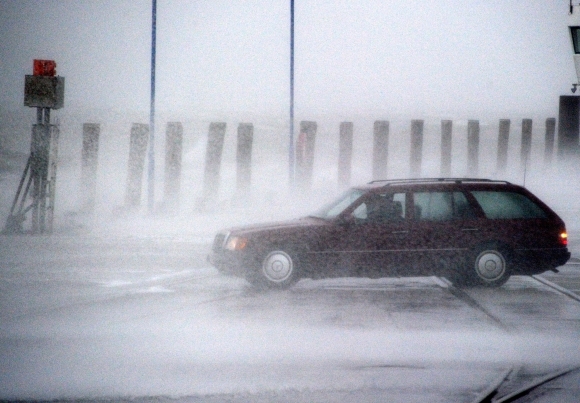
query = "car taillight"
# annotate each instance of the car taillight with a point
(563, 238)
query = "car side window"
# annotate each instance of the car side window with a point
(507, 205)
(441, 206)
(381, 208)
(461, 207)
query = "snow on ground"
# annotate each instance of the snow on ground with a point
(118, 313)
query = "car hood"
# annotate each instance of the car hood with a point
(279, 226)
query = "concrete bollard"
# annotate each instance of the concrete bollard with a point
(345, 154)
(472, 147)
(526, 143)
(213, 159)
(568, 126)
(446, 141)
(549, 141)
(137, 149)
(244, 160)
(416, 147)
(89, 164)
(502, 145)
(305, 154)
(173, 158)
(380, 149)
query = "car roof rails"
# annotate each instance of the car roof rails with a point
(431, 180)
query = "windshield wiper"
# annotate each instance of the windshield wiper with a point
(316, 216)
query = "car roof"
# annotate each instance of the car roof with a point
(421, 182)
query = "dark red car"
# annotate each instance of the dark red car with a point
(472, 231)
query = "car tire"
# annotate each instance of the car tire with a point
(488, 265)
(279, 269)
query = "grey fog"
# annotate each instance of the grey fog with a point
(121, 303)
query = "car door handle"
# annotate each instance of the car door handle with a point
(469, 229)
(400, 232)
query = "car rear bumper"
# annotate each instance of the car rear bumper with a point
(534, 261)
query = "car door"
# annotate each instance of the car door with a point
(375, 242)
(445, 227)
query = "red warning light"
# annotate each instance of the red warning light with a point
(44, 68)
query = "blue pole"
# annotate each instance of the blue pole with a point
(291, 145)
(151, 170)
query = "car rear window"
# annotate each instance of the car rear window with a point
(507, 205)
(441, 206)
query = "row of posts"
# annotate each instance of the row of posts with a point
(381, 148)
(173, 164)
(305, 146)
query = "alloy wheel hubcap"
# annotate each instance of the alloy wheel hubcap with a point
(490, 265)
(277, 266)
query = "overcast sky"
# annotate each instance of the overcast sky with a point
(435, 58)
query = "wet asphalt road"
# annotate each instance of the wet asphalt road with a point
(129, 318)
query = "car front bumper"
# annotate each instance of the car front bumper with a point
(230, 262)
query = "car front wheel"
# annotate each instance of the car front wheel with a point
(279, 269)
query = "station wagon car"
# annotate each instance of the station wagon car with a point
(472, 231)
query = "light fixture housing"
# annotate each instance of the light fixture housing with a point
(575, 38)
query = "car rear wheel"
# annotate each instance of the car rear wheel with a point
(488, 265)
(279, 269)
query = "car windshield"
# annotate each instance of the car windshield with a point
(334, 209)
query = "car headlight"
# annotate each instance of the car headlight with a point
(236, 243)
